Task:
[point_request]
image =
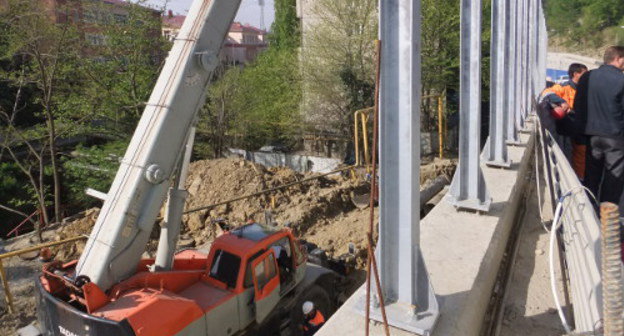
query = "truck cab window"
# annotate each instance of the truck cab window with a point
(225, 268)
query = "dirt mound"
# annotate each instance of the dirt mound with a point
(212, 182)
(77, 225)
(320, 210)
(436, 168)
(298, 206)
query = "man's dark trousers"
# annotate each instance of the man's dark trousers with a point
(605, 169)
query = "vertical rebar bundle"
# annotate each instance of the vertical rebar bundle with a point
(613, 298)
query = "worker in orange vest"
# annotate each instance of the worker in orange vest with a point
(561, 99)
(313, 319)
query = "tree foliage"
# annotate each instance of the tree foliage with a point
(69, 74)
(91, 167)
(338, 63)
(257, 104)
(582, 21)
(285, 30)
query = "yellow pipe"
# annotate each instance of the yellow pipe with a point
(360, 116)
(7, 293)
(356, 137)
(40, 246)
(365, 138)
(5, 283)
(440, 126)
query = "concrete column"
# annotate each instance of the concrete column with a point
(468, 189)
(496, 150)
(410, 302)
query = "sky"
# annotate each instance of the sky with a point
(249, 11)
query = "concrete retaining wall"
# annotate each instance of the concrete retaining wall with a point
(300, 163)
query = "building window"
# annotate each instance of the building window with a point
(89, 16)
(95, 39)
(121, 18)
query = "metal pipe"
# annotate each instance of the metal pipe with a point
(440, 126)
(356, 138)
(365, 138)
(40, 246)
(7, 293)
(3, 276)
(613, 298)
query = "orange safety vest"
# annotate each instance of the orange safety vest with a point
(317, 321)
(566, 91)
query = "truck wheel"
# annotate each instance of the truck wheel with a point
(317, 295)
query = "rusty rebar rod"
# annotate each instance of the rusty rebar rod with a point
(382, 303)
(371, 257)
(613, 299)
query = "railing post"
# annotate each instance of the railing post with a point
(521, 63)
(496, 152)
(468, 189)
(410, 302)
(512, 67)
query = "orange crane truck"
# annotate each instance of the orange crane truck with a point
(254, 279)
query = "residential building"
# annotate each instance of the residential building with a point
(242, 45)
(90, 15)
(171, 25)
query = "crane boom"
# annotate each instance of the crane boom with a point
(136, 196)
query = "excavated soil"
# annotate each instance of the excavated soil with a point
(320, 211)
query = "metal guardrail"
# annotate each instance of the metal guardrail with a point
(580, 234)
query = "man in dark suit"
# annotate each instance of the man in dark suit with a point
(600, 105)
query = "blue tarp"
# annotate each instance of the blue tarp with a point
(555, 74)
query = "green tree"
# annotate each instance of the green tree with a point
(585, 22)
(66, 83)
(255, 105)
(42, 53)
(338, 63)
(285, 30)
(120, 78)
(91, 167)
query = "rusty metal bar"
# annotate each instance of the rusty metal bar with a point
(370, 261)
(613, 305)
